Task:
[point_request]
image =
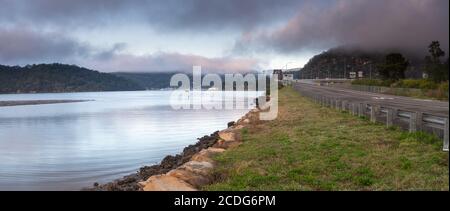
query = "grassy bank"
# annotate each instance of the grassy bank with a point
(313, 148)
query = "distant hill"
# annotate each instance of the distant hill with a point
(148, 80)
(337, 62)
(60, 78)
(158, 80)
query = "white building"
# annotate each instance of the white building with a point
(288, 76)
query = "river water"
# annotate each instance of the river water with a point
(72, 145)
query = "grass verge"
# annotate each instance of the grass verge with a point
(309, 147)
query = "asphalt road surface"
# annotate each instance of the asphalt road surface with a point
(434, 107)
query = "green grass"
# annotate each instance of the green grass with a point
(310, 147)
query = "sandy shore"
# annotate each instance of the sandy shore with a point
(36, 102)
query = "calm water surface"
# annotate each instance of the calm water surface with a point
(72, 145)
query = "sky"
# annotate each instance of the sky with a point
(219, 35)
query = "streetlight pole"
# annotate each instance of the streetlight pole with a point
(285, 67)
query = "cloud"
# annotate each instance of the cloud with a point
(171, 62)
(42, 30)
(60, 12)
(163, 14)
(23, 45)
(409, 25)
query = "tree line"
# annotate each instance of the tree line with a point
(435, 68)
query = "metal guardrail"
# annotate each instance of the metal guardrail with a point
(389, 90)
(416, 121)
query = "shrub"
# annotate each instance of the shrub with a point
(372, 82)
(416, 84)
(442, 91)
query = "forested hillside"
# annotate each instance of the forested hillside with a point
(339, 62)
(59, 78)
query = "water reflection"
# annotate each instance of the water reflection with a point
(69, 146)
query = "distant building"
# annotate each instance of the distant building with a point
(278, 72)
(288, 77)
(360, 74)
(295, 72)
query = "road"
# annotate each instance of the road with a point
(433, 107)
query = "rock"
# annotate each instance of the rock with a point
(207, 154)
(142, 184)
(202, 168)
(167, 183)
(246, 121)
(238, 127)
(227, 135)
(231, 124)
(226, 144)
(147, 171)
(133, 182)
(196, 180)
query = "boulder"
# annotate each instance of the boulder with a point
(227, 135)
(202, 168)
(231, 124)
(226, 144)
(166, 183)
(196, 180)
(207, 154)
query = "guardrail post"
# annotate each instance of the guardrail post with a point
(343, 105)
(361, 110)
(445, 148)
(390, 117)
(419, 120)
(355, 109)
(373, 114)
(413, 122)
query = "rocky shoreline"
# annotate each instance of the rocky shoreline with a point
(188, 170)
